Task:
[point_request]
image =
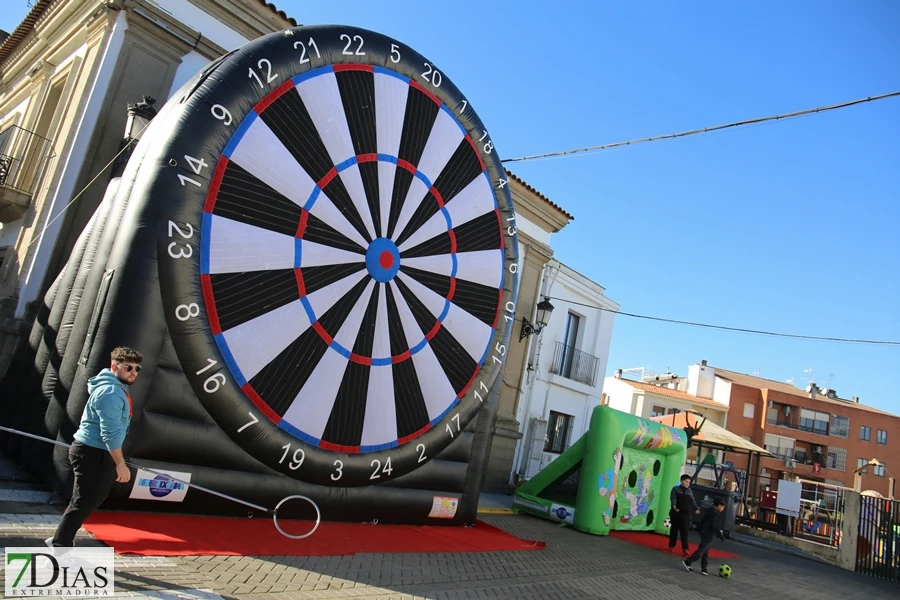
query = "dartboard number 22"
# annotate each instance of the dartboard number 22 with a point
(338, 254)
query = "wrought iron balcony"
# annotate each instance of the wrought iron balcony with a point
(23, 159)
(571, 363)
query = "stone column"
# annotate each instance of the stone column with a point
(507, 429)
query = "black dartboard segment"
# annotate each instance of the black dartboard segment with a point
(355, 258)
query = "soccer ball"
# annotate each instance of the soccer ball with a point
(724, 571)
(668, 523)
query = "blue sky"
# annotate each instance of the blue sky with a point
(789, 226)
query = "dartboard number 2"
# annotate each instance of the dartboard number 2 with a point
(377, 464)
(450, 429)
(421, 449)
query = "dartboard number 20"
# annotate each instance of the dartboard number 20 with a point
(338, 254)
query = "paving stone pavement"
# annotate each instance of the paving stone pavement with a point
(573, 565)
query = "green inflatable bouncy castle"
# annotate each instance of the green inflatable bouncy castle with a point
(617, 476)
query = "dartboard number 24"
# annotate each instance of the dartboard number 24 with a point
(338, 254)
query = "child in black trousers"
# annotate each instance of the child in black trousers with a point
(709, 527)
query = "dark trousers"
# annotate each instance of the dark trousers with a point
(95, 472)
(681, 523)
(701, 553)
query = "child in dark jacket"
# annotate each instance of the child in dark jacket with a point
(709, 527)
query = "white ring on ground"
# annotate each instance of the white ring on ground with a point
(282, 531)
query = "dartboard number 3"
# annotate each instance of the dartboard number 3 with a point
(387, 470)
(339, 470)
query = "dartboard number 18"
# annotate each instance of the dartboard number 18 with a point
(338, 254)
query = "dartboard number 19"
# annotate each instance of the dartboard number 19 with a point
(338, 255)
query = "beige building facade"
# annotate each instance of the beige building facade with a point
(67, 75)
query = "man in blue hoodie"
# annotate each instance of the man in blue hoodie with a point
(96, 452)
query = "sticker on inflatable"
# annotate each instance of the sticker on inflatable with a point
(443, 507)
(150, 486)
(562, 513)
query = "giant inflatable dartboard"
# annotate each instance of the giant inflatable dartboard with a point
(314, 246)
(334, 258)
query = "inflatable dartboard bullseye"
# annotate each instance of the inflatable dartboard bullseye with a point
(337, 253)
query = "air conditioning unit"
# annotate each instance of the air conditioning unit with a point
(771, 404)
(787, 411)
(818, 449)
(790, 463)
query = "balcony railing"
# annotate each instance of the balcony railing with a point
(23, 159)
(571, 363)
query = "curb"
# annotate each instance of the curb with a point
(781, 549)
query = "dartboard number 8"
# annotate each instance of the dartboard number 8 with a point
(338, 254)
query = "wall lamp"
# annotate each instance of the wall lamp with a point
(544, 308)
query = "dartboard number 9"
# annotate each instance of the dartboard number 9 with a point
(338, 254)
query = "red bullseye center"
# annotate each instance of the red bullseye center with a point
(386, 260)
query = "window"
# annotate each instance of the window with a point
(882, 437)
(840, 426)
(861, 462)
(657, 411)
(865, 433)
(749, 410)
(559, 426)
(780, 446)
(837, 459)
(814, 422)
(879, 470)
(569, 340)
(800, 455)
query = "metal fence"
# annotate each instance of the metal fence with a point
(878, 547)
(23, 158)
(821, 518)
(571, 363)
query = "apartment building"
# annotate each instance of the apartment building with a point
(814, 433)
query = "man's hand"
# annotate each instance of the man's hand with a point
(123, 474)
(676, 510)
(697, 511)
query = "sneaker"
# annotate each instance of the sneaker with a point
(685, 553)
(687, 566)
(704, 572)
(672, 549)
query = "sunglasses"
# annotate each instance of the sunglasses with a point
(129, 368)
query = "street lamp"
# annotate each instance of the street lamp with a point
(544, 308)
(139, 116)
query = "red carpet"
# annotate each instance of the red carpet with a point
(661, 542)
(182, 535)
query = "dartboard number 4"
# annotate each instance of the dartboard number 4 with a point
(387, 470)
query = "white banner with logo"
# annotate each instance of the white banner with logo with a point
(150, 486)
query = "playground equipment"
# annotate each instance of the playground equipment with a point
(617, 476)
